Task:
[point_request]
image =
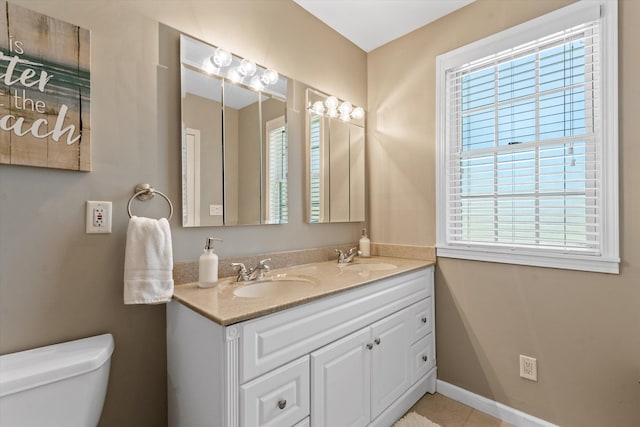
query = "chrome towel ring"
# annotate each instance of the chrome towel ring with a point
(146, 192)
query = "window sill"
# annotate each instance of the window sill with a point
(562, 261)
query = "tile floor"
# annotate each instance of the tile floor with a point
(450, 413)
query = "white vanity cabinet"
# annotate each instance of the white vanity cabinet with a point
(354, 379)
(360, 357)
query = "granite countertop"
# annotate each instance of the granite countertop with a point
(222, 306)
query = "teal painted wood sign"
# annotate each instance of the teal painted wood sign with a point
(44, 91)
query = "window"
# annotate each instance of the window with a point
(277, 193)
(315, 165)
(527, 143)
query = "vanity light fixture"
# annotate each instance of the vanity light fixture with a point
(240, 70)
(332, 107)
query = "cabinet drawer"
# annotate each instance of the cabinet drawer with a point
(303, 423)
(278, 398)
(270, 341)
(423, 357)
(421, 319)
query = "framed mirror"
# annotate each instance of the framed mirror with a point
(234, 139)
(335, 152)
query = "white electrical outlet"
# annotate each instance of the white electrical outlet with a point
(98, 217)
(528, 368)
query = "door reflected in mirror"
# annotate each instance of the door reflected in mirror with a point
(234, 142)
(335, 163)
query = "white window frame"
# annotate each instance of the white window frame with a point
(575, 14)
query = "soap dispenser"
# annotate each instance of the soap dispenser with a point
(208, 268)
(365, 244)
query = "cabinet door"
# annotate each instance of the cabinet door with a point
(340, 382)
(390, 361)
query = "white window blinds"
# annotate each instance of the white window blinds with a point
(524, 147)
(315, 166)
(278, 203)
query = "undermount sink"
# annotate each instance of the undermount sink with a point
(288, 285)
(370, 266)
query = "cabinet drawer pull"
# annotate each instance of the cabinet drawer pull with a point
(424, 320)
(424, 358)
(377, 341)
(369, 346)
(282, 403)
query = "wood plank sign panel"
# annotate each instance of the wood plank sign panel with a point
(44, 91)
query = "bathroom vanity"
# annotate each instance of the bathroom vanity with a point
(355, 349)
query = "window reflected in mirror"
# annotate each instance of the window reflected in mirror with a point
(335, 159)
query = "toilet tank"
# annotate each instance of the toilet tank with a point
(58, 385)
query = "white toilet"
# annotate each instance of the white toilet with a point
(61, 385)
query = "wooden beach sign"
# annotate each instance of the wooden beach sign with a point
(44, 91)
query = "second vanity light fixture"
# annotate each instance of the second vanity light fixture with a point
(332, 107)
(246, 71)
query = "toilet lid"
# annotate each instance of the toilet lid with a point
(32, 368)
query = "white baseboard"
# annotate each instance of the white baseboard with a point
(491, 407)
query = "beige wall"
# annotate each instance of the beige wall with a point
(205, 115)
(249, 164)
(56, 282)
(584, 328)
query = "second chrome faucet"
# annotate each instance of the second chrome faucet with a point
(348, 257)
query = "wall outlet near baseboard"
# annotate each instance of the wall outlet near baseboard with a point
(528, 368)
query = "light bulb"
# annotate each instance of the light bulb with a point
(234, 75)
(345, 117)
(332, 112)
(331, 102)
(357, 113)
(269, 77)
(345, 108)
(247, 68)
(256, 84)
(222, 58)
(210, 67)
(317, 107)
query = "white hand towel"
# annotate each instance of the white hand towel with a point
(148, 262)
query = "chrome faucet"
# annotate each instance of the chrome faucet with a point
(242, 274)
(257, 272)
(347, 258)
(253, 274)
